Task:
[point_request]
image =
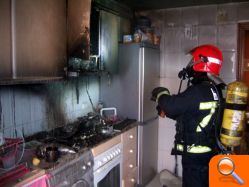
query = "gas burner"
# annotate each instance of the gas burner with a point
(91, 140)
(87, 132)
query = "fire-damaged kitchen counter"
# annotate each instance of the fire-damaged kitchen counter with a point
(74, 149)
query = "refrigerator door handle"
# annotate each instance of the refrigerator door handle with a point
(144, 123)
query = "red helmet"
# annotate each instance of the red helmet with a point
(207, 58)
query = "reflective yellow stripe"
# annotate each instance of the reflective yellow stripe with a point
(160, 94)
(194, 149)
(206, 106)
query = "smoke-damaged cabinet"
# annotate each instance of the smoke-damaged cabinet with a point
(112, 28)
(37, 37)
(78, 33)
(39, 34)
(5, 39)
(108, 25)
(33, 40)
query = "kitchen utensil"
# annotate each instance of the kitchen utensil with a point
(106, 130)
(65, 150)
(66, 131)
(40, 152)
(8, 152)
(109, 117)
(1, 139)
(52, 154)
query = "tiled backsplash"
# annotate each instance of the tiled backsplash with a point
(33, 108)
(185, 28)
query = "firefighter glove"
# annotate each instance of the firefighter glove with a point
(157, 92)
(160, 112)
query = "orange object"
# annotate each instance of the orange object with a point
(156, 39)
(162, 114)
(229, 171)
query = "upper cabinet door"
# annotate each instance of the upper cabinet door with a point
(5, 39)
(109, 36)
(79, 28)
(40, 37)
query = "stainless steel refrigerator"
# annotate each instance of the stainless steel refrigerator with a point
(130, 91)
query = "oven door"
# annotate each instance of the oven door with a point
(109, 175)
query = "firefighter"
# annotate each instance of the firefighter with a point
(195, 111)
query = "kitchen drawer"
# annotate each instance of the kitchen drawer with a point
(129, 136)
(131, 179)
(128, 166)
(130, 151)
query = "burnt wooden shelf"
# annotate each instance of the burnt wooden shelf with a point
(29, 80)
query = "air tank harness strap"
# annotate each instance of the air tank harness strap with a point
(234, 106)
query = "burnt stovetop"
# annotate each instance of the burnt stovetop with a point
(87, 132)
(80, 136)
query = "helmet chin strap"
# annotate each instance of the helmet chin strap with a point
(186, 72)
(217, 80)
(190, 64)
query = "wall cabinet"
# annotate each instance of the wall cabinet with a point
(38, 36)
(78, 33)
(110, 20)
(33, 42)
(5, 39)
(112, 28)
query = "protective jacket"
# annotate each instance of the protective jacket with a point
(195, 110)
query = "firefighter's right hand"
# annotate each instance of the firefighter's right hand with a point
(157, 92)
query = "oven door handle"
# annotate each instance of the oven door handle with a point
(101, 172)
(81, 181)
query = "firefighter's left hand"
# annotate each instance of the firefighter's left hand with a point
(160, 112)
(157, 92)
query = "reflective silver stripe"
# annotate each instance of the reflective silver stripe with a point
(194, 149)
(214, 60)
(206, 106)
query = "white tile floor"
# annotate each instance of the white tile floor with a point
(165, 178)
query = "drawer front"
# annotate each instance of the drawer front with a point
(131, 179)
(130, 151)
(128, 166)
(130, 136)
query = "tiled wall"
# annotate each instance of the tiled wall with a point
(182, 29)
(33, 108)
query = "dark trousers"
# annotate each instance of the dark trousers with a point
(195, 176)
(195, 169)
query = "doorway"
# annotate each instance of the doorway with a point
(243, 75)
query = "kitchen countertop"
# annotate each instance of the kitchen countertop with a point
(118, 132)
(46, 167)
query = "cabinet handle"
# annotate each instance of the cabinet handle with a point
(131, 151)
(131, 136)
(131, 166)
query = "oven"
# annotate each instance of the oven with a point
(73, 173)
(108, 167)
